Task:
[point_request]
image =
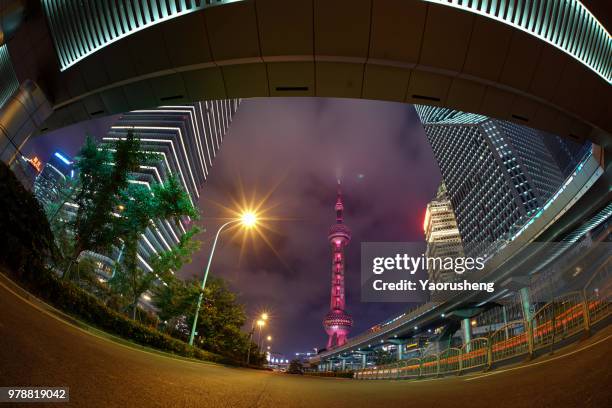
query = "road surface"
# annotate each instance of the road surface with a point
(39, 349)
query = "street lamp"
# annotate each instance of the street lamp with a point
(260, 323)
(248, 219)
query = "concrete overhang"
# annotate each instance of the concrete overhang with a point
(412, 51)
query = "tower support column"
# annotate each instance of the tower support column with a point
(400, 343)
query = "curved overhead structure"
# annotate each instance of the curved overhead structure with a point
(22, 114)
(541, 63)
(568, 25)
(8, 79)
(103, 24)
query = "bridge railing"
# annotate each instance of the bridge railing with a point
(598, 293)
(474, 353)
(509, 341)
(410, 368)
(557, 319)
(562, 317)
(450, 361)
(430, 365)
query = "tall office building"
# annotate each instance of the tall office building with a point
(187, 138)
(498, 174)
(49, 182)
(442, 236)
(26, 169)
(567, 154)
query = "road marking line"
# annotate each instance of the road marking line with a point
(540, 362)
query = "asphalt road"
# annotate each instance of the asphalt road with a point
(39, 349)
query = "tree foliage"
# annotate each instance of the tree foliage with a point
(220, 319)
(112, 212)
(140, 207)
(26, 241)
(103, 175)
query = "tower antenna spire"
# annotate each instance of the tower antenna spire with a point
(338, 322)
(339, 205)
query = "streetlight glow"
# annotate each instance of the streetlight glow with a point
(261, 323)
(249, 219)
(264, 316)
(269, 338)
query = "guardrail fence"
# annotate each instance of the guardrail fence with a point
(562, 317)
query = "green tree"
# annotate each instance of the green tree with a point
(173, 300)
(140, 207)
(26, 241)
(58, 219)
(103, 174)
(220, 320)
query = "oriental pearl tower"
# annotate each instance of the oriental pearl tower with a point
(338, 322)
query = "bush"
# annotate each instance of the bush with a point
(26, 239)
(78, 303)
(337, 374)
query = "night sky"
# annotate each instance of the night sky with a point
(292, 151)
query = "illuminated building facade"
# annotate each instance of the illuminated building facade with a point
(338, 322)
(48, 183)
(187, 139)
(26, 170)
(498, 174)
(442, 236)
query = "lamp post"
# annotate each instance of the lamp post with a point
(249, 220)
(268, 338)
(260, 322)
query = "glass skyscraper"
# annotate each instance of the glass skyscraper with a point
(187, 138)
(442, 236)
(49, 182)
(498, 174)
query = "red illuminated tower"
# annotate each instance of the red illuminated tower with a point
(338, 322)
